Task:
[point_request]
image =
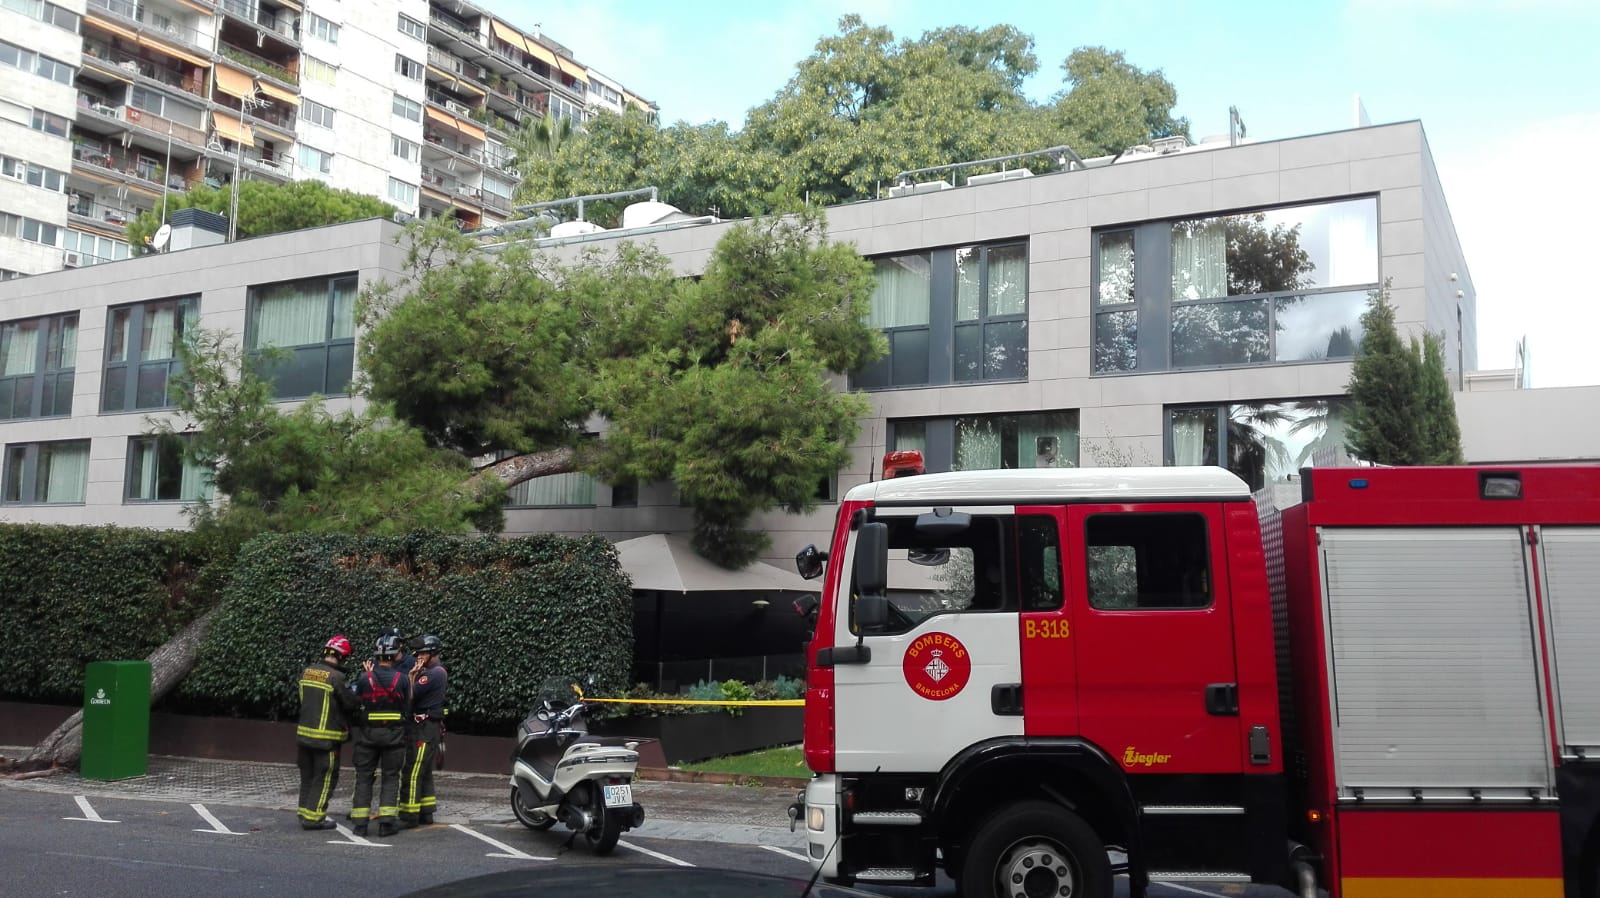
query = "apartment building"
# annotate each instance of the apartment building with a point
(106, 106)
(1194, 306)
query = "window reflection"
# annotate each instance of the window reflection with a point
(1264, 443)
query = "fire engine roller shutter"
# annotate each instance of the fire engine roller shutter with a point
(1572, 590)
(1436, 686)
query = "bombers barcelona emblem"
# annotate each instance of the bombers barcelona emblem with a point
(937, 666)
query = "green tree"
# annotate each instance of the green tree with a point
(265, 208)
(306, 468)
(719, 385)
(861, 108)
(1402, 409)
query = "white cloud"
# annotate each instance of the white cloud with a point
(1524, 206)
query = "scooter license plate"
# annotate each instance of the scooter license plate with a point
(619, 796)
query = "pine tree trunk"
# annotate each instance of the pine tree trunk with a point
(169, 664)
(521, 468)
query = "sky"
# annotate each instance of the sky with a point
(1508, 92)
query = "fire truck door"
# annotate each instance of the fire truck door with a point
(1153, 636)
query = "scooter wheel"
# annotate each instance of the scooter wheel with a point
(603, 836)
(531, 819)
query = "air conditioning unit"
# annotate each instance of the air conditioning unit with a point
(924, 187)
(72, 260)
(996, 177)
(457, 108)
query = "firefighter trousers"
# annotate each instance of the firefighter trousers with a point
(319, 776)
(378, 749)
(417, 800)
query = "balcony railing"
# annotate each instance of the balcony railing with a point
(160, 25)
(87, 208)
(140, 64)
(138, 118)
(117, 161)
(496, 202)
(258, 63)
(454, 25)
(446, 61)
(279, 25)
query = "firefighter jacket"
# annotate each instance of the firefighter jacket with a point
(326, 701)
(427, 695)
(385, 694)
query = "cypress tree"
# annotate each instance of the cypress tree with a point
(1385, 416)
(1441, 432)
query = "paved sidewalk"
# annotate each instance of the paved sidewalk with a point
(750, 815)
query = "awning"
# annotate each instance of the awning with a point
(199, 7)
(236, 83)
(278, 93)
(450, 121)
(573, 69)
(508, 34)
(118, 30)
(170, 50)
(542, 53)
(455, 81)
(231, 128)
(667, 563)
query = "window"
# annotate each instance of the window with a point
(402, 193)
(998, 564)
(408, 150)
(625, 495)
(322, 29)
(951, 316)
(561, 107)
(313, 159)
(38, 64)
(35, 175)
(29, 229)
(315, 113)
(553, 491)
(48, 13)
(50, 123)
(498, 187)
(407, 67)
(991, 442)
(1272, 286)
(311, 324)
(142, 344)
(93, 249)
(314, 69)
(1263, 442)
(160, 471)
(407, 108)
(1147, 560)
(37, 360)
(46, 473)
(414, 28)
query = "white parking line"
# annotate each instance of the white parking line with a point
(655, 854)
(786, 853)
(507, 850)
(89, 815)
(351, 838)
(1173, 885)
(216, 825)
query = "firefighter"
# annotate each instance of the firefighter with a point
(402, 662)
(380, 741)
(325, 701)
(424, 727)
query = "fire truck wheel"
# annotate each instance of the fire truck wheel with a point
(1035, 850)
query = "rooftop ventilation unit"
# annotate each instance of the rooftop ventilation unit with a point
(996, 177)
(924, 187)
(575, 229)
(1167, 145)
(650, 212)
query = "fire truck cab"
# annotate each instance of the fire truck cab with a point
(1038, 679)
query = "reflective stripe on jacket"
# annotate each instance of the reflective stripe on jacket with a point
(325, 700)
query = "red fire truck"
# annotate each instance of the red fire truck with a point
(1038, 679)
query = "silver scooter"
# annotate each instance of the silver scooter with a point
(562, 774)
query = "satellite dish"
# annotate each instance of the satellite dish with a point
(163, 235)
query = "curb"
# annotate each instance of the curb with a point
(674, 775)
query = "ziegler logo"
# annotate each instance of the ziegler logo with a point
(1134, 758)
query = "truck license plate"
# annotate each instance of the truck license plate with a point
(619, 796)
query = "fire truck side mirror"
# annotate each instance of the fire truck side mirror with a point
(872, 613)
(810, 561)
(872, 576)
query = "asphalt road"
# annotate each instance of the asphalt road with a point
(56, 844)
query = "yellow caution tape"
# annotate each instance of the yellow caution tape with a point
(756, 703)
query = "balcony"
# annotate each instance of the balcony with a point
(143, 170)
(152, 23)
(455, 27)
(107, 57)
(281, 25)
(127, 116)
(252, 164)
(446, 61)
(86, 210)
(260, 64)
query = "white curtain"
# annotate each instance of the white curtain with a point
(967, 283)
(1008, 281)
(1199, 259)
(156, 340)
(903, 294)
(68, 358)
(1047, 441)
(344, 309)
(1189, 436)
(290, 315)
(144, 470)
(64, 471)
(910, 435)
(554, 490)
(117, 338)
(195, 483)
(19, 348)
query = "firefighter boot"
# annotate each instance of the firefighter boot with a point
(425, 818)
(360, 829)
(408, 821)
(386, 827)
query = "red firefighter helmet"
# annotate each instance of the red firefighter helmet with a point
(339, 645)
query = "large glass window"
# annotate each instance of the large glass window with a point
(991, 442)
(142, 343)
(1146, 560)
(553, 491)
(950, 316)
(158, 471)
(1271, 286)
(46, 473)
(1263, 442)
(312, 324)
(37, 362)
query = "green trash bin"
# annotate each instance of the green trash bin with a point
(116, 719)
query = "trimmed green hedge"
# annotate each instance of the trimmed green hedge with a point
(511, 613)
(71, 595)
